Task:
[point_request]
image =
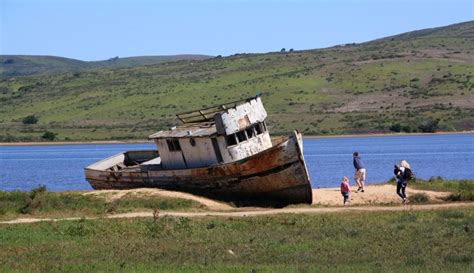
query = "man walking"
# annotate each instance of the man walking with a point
(359, 175)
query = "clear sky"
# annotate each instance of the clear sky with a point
(95, 30)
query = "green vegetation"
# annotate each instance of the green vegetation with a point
(418, 198)
(408, 241)
(41, 203)
(31, 119)
(462, 190)
(416, 82)
(49, 136)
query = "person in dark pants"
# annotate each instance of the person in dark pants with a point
(401, 179)
(359, 174)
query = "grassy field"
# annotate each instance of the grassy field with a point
(428, 241)
(416, 82)
(351, 241)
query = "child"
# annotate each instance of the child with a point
(345, 190)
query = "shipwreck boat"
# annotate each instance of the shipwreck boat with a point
(223, 152)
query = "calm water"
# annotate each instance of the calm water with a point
(328, 159)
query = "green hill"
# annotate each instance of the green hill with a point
(464, 29)
(417, 81)
(27, 65)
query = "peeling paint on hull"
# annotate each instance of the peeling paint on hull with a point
(276, 176)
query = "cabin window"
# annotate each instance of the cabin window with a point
(264, 126)
(192, 141)
(258, 128)
(250, 132)
(217, 151)
(231, 140)
(173, 145)
(241, 136)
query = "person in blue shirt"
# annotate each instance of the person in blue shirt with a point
(359, 174)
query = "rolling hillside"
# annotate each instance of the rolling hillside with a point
(27, 65)
(416, 81)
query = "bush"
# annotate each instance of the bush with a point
(49, 135)
(418, 198)
(31, 119)
(407, 129)
(461, 196)
(396, 127)
(39, 200)
(429, 126)
(35, 200)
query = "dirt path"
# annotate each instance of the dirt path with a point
(259, 212)
(375, 198)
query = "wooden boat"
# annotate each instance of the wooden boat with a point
(274, 173)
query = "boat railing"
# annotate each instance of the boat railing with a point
(207, 114)
(124, 159)
(137, 157)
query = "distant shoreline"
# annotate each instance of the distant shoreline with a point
(390, 134)
(47, 143)
(142, 141)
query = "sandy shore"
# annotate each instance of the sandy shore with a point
(144, 141)
(373, 195)
(111, 195)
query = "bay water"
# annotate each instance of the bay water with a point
(61, 167)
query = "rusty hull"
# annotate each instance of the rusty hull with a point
(276, 177)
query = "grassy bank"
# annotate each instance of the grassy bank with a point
(429, 241)
(41, 203)
(461, 190)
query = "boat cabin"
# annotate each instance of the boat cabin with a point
(215, 135)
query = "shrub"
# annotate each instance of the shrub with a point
(418, 198)
(35, 200)
(429, 126)
(461, 196)
(31, 119)
(407, 129)
(396, 127)
(49, 135)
